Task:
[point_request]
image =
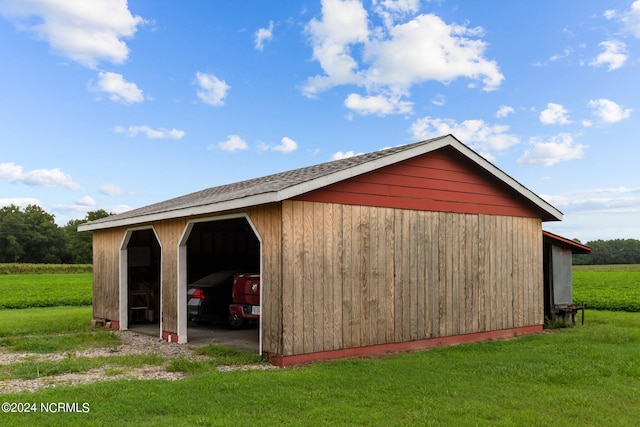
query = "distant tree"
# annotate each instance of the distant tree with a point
(31, 235)
(616, 251)
(11, 233)
(43, 239)
(78, 245)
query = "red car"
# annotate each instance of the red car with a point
(245, 294)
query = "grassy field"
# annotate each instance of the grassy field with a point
(607, 287)
(588, 375)
(44, 290)
(25, 268)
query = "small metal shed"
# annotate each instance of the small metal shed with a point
(558, 284)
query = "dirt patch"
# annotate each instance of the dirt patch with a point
(132, 344)
(91, 376)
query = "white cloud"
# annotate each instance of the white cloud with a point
(84, 31)
(212, 90)
(631, 19)
(339, 155)
(10, 172)
(233, 143)
(343, 23)
(161, 133)
(558, 148)
(21, 202)
(287, 145)
(426, 48)
(475, 133)
(117, 88)
(504, 111)
(377, 104)
(613, 190)
(609, 14)
(439, 100)
(393, 57)
(111, 190)
(608, 111)
(86, 201)
(118, 209)
(263, 146)
(393, 10)
(598, 200)
(559, 56)
(262, 35)
(599, 213)
(37, 177)
(614, 55)
(556, 57)
(554, 114)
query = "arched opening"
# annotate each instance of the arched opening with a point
(213, 253)
(141, 259)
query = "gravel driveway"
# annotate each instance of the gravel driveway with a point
(132, 344)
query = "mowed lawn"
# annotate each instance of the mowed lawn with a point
(586, 375)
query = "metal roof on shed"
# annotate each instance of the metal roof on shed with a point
(285, 185)
(563, 242)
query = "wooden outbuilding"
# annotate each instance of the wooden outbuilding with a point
(409, 247)
(558, 277)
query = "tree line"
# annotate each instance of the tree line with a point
(30, 235)
(616, 251)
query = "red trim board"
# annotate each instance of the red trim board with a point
(381, 349)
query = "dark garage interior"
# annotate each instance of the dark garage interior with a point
(215, 251)
(228, 244)
(143, 279)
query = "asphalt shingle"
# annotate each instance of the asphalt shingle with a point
(261, 185)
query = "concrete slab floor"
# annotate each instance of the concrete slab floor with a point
(246, 339)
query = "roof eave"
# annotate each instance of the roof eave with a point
(576, 248)
(258, 199)
(549, 213)
(314, 184)
(552, 214)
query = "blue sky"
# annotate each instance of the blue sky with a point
(109, 104)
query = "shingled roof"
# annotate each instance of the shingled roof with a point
(285, 185)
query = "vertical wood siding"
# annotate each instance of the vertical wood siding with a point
(106, 267)
(341, 276)
(268, 221)
(169, 233)
(355, 276)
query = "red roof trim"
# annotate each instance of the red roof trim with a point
(576, 248)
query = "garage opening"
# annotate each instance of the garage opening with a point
(223, 283)
(143, 282)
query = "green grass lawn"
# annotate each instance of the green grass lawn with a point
(587, 375)
(607, 287)
(49, 320)
(51, 329)
(44, 290)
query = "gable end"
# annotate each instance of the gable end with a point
(442, 180)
